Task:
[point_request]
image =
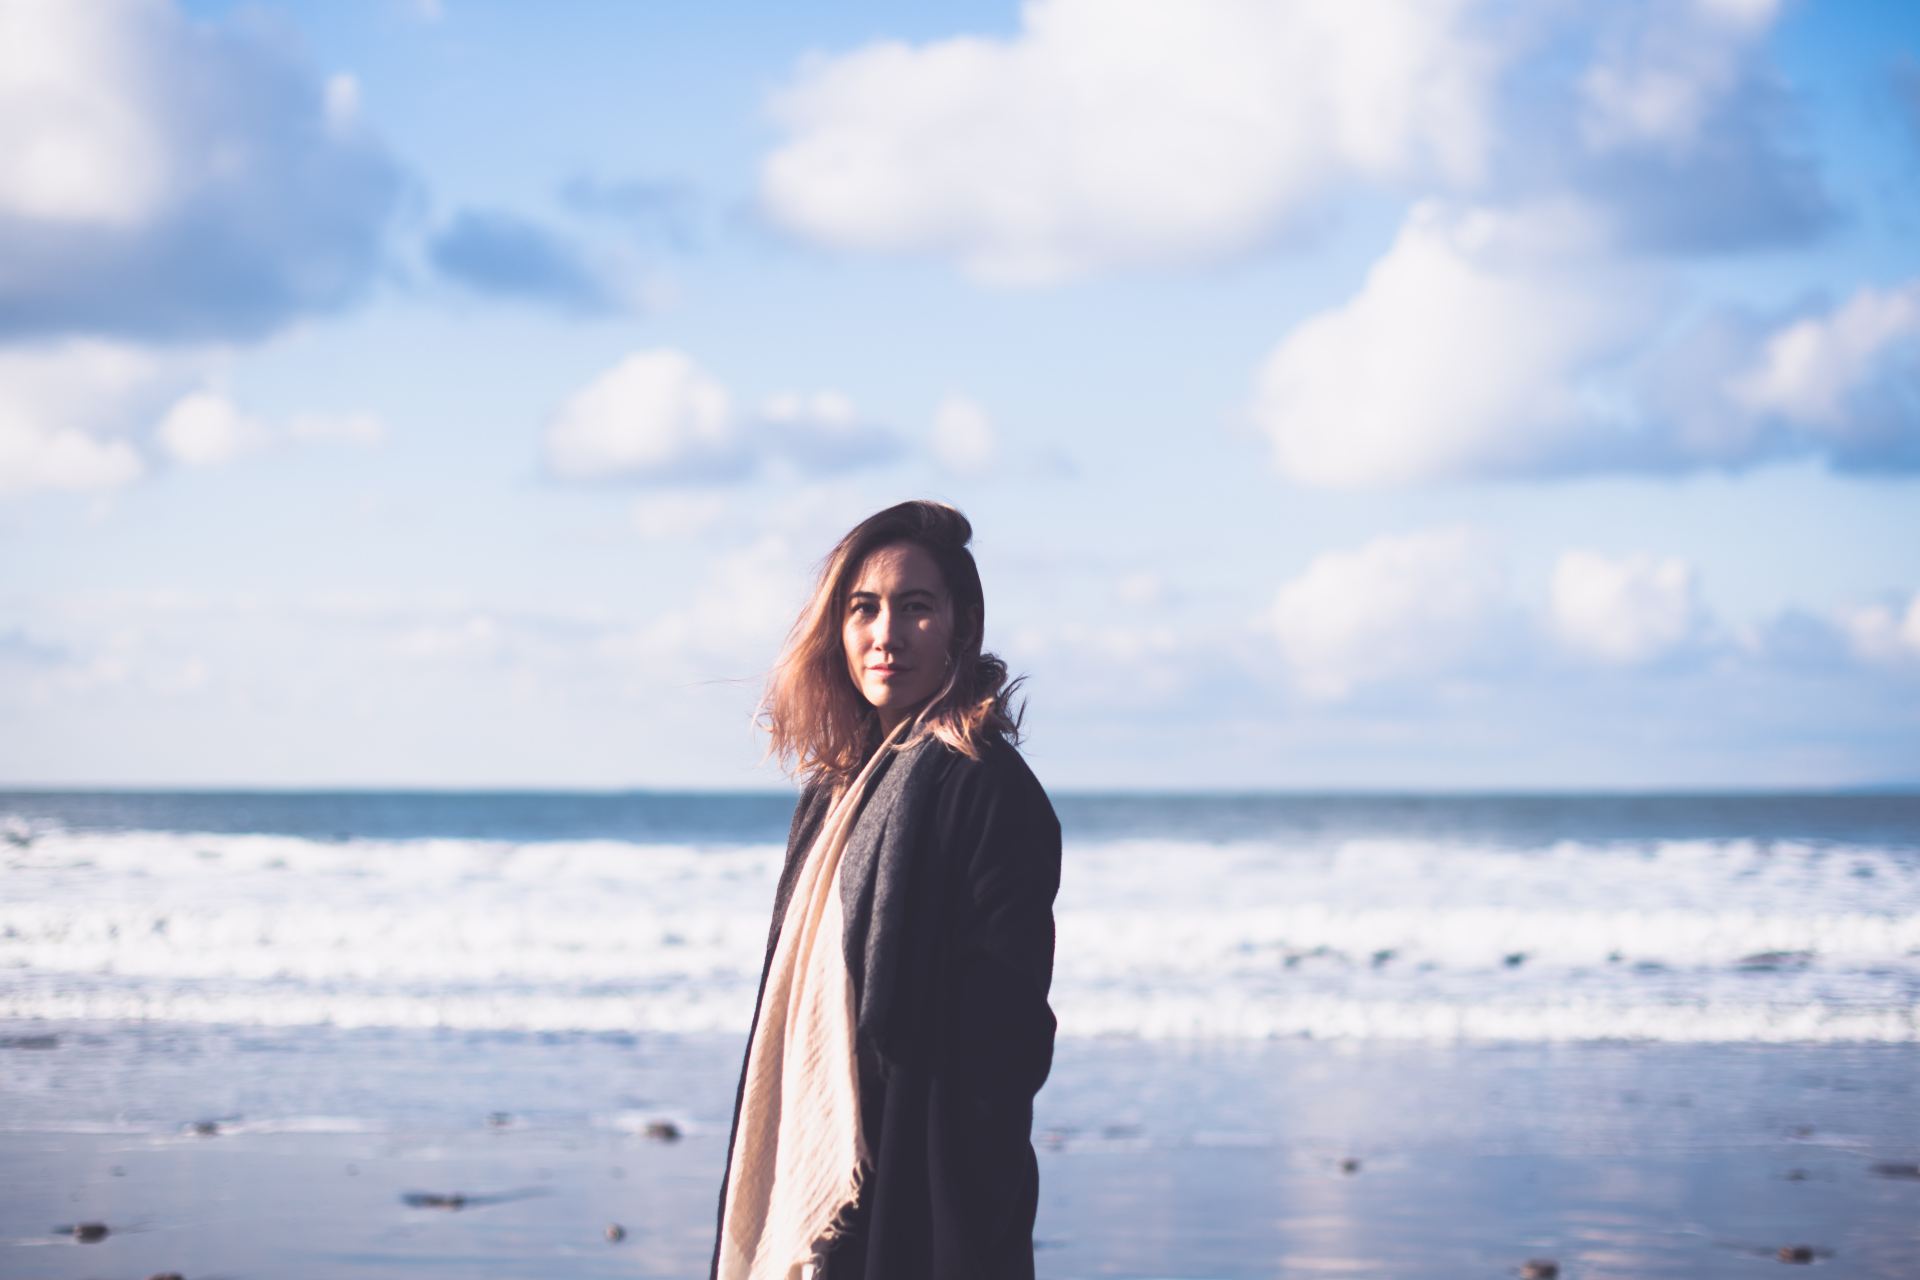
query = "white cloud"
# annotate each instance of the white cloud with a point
(1623, 611)
(1879, 633)
(1843, 382)
(1121, 131)
(205, 429)
(77, 147)
(1810, 370)
(74, 416)
(657, 416)
(1398, 606)
(167, 177)
(963, 439)
(1463, 353)
(66, 411)
(1660, 84)
(61, 458)
(654, 414)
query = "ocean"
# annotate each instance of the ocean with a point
(1730, 918)
(1396, 1035)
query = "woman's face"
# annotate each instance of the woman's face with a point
(898, 630)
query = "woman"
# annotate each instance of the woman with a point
(883, 1125)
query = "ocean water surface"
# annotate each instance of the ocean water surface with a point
(1741, 918)
(1410, 1036)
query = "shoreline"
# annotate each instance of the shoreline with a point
(1183, 1159)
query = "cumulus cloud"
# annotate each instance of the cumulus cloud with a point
(654, 415)
(67, 409)
(1397, 607)
(657, 416)
(1111, 132)
(1884, 633)
(1848, 380)
(504, 254)
(1105, 134)
(1435, 606)
(87, 416)
(1466, 351)
(1689, 139)
(1660, 80)
(1624, 611)
(1840, 381)
(172, 179)
(1523, 342)
(205, 429)
(963, 438)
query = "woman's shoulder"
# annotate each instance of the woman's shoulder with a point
(997, 775)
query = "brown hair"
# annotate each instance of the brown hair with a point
(819, 723)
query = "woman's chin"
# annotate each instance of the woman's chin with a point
(893, 702)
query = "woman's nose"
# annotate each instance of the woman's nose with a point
(890, 631)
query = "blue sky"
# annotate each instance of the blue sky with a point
(1451, 395)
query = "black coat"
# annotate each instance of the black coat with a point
(948, 882)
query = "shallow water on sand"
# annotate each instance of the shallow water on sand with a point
(1221, 1159)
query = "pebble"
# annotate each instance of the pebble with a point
(663, 1131)
(1350, 1165)
(434, 1200)
(1539, 1269)
(616, 1233)
(1796, 1253)
(1890, 1170)
(88, 1232)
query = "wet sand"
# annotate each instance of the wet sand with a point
(1289, 1158)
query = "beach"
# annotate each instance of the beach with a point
(387, 1035)
(1285, 1158)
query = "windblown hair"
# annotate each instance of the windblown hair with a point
(819, 723)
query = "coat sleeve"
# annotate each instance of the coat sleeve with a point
(999, 1026)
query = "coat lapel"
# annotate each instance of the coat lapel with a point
(875, 883)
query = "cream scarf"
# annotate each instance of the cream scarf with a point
(800, 1155)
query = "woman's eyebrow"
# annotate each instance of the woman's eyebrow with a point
(875, 595)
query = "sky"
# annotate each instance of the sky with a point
(1382, 394)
